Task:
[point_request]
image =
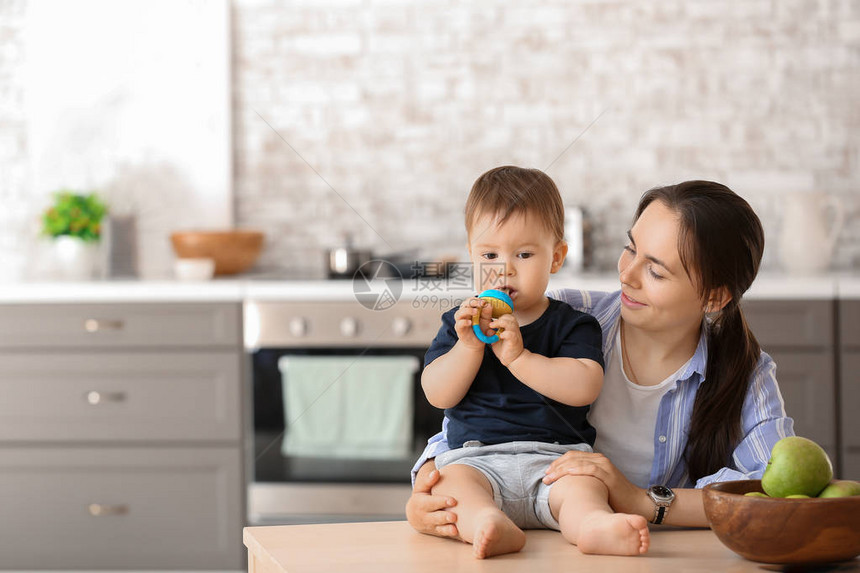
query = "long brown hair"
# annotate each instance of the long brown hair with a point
(721, 241)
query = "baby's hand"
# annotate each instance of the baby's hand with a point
(510, 344)
(463, 321)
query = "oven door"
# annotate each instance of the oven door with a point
(336, 432)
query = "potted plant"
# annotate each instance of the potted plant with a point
(74, 222)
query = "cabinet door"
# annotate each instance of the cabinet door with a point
(108, 397)
(849, 324)
(850, 405)
(131, 508)
(806, 381)
(791, 323)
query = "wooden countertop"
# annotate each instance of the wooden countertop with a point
(395, 546)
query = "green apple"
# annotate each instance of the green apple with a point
(841, 488)
(756, 494)
(797, 496)
(797, 466)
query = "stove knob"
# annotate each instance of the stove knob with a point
(298, 327)
(401, 326)
(349, 327)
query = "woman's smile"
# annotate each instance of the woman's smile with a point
(631, 302)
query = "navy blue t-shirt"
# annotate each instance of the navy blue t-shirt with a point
(499, 408)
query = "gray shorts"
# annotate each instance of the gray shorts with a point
(515, 471)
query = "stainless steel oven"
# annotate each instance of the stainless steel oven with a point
(318, 391)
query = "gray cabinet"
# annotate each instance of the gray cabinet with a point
(800, 336)
(849, 397)
(120, 508)
(121, 436)
(120, 396)
(140, 325)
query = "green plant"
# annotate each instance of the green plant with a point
(74, 214)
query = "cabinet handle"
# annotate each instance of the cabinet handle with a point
(106, 510)
(97, 324)
(94, 397)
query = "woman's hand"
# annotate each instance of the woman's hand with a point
(624, 496)
(427, 513)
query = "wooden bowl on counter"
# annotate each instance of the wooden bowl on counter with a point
(779, 530)
(233, 251)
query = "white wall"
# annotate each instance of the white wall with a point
(375, 117)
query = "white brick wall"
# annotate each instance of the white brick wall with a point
(18, 218)
(399, 105)
(757, 94)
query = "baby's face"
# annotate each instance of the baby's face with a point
(516, 256)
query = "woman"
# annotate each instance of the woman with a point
(688, 398)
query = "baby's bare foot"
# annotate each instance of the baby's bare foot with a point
(496, 534)
(614, 534)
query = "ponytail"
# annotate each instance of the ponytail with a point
(715, 425)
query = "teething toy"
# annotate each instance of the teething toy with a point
(501, 304)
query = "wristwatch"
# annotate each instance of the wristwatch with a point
(662, 496)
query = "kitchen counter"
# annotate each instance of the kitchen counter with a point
(122, 291)
(395, 546)
(849, 287)
(767, 286)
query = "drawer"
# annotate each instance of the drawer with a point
(791, 322)
(112, 396)
(134, 508)
(120, 325)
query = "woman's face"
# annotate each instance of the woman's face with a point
(656, 292)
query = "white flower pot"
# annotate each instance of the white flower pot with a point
(74, 258)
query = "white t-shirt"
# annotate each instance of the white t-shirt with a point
(624, 416)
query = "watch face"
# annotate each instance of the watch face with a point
(662, 492)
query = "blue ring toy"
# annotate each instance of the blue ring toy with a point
(501, 304)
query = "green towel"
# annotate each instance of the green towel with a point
(357, 407)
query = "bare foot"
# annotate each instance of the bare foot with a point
(496, 534)
(614, 534)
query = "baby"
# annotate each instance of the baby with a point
(516, 405)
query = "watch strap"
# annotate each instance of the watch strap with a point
(662, 496)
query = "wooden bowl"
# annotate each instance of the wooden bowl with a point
(778, 530)
(233, 251)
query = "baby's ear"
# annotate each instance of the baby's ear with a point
(559, 252)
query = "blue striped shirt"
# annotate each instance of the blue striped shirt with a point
(763, 418)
